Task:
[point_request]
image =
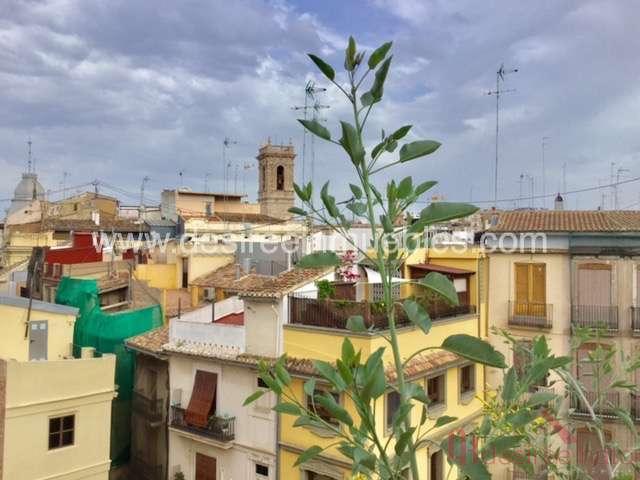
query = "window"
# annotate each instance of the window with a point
(531, 286)
(467, 379)
(280, 178)
(392, 406)
(262, 471)
(435, 466)
(436, 389)
(322, 412)
(61, 431)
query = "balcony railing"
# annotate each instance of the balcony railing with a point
(143, 470)
(534, 315)
(221, 429)
(604, 405)
(635, 321)
(150, 408)
(595, 316)
(335, 313)
(635, 406)
(520, 475)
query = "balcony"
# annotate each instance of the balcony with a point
(603, 317)
(221, 429)
(635, 321)
(530, 315)
(150, 408)
(603, 406)
(143, 470)
(335, 313)
(520, 475)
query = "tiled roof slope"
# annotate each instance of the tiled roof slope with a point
(151, 341)
(283, 283)
(568, 221)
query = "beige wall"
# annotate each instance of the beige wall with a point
(37, 391)
(262, 326)
(255, 434)
(13, 343)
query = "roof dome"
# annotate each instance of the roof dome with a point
(27, 190)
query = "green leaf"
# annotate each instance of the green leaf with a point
(319, 260)
(358, 208)
(400, 133)
(519, 460)
(403, 441)
(253, 397)
(350, 141)
(415, 391)
(417, 149)
(494, 447)
(510, 386)
(350, 55)
(297, 211)
(356, 190)
(287, 408)
(520, 418)
(301, 192)
(461, 452)
(315, 127)
(378, 55)
(417, 315)
(271, 382)
(379, 147)
(355, 323)
(367, 99)
(324, 67)
(405, 187)
(329, 201)
(307, 421)
(282, 373)
(309, 387)
(443, 211)
(335, 410)
(441, 284)
(444, 420)
(540, 398)
(423, 187)
(344, 371)
(386, 224)
(376, 384)
(377, 89)
(348, 352)
(474, 349)
(329, 373)
(308, 454)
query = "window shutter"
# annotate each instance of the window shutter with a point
(522, 283)
(538, 283)
(203, 399)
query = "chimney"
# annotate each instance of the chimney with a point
(559, 203)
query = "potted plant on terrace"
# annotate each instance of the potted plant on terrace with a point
(347, 273)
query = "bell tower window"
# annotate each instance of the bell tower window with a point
(280, 178)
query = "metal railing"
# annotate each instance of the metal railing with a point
(335, 313)
(151, 408)
(604, 405)
(634, 400)
(526, 314)
(595, 316)
(218, 428)
(516, 474)
(635, 320)
(143, 470)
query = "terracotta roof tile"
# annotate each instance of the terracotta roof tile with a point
(423, 364)
(283, 283)
(151, 341)
(568, 221)
(219, 278)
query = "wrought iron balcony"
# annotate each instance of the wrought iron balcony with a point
(144, 470)
(635, 321)
(635, 406)
(520, 475)
(221, 429)
(150, 408)
(531, 315)
(595, 316)
(335, 313)
(604, 405)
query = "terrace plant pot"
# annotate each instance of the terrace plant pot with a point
(344, 290)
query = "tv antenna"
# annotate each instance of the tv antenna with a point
(30, 161)
(142, 207)
(311, 103)
(181, 173)
(226, 143)
(544, 144)
(498, 92)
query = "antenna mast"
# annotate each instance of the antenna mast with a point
(142, 207)
(313, 104)
(29, 159)
(226, 143)
(498, 92)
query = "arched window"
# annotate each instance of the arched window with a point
(280, 178)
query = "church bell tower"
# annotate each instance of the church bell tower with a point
(275, 189)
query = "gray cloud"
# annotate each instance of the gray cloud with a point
(119, 90)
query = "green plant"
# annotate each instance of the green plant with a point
(178, 476)
(326, 290)
(361, 379)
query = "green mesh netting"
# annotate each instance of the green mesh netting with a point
(106, 332)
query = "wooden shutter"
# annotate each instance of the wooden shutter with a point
(205, 467)
(522, 283)
(538, 272)
(594, 284)
(203, 399)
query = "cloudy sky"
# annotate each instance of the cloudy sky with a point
(117, 90)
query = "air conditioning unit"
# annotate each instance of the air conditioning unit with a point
(209, 293)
